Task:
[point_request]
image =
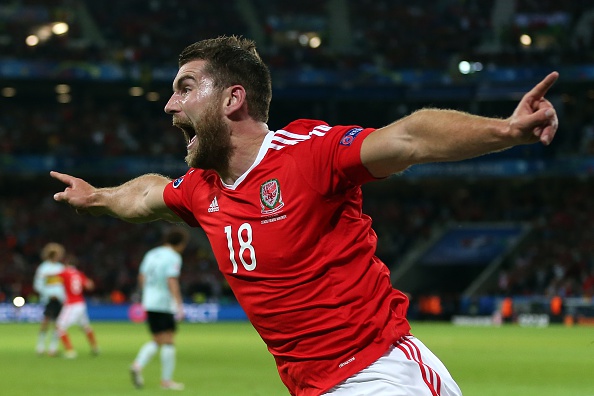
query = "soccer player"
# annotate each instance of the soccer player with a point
(74, 311)
(282, 211)
(161, 299)
(51, 295)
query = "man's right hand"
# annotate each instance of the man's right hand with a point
(77, 194)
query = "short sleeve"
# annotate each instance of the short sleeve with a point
(347, 157)
(331, 161)
(174, 269)
(178, 196)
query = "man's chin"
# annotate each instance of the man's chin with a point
(191, 160)
(194, 161)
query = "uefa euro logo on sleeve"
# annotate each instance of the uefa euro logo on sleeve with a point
(177, 182)
(350, 136)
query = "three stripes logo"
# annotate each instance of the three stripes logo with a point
(282, 138)
(412, 352)
(214, 206)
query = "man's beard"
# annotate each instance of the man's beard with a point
(213, 147)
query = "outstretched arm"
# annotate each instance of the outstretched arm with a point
(89, 284)
(433, 135)
(139, 200)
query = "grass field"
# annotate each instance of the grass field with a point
(229, 359)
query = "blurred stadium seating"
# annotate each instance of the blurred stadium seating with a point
(90, 100)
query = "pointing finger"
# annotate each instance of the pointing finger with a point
(64, 178)
(540, 89)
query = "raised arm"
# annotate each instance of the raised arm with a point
(433, 135)
(139, 200)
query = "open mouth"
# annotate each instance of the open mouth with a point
(189, 132)
(191, 142)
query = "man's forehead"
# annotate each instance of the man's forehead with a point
(192, 69)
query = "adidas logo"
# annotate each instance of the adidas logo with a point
(214, 206)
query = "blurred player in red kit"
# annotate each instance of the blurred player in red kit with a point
(74, 311)
(283, 213)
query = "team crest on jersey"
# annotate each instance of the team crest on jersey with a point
(177, 182)
(271, 200)
(350, 136)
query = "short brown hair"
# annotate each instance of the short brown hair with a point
(234, 60)
(52, 252)
(176, 236)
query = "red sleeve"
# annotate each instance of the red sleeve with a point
(347, 157)
(332, 162)
(178, 197)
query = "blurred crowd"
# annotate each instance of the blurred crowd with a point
(108, 250)
(557, 258)
(90, 127)
(366, 35)
(96, 126)
(357, 35)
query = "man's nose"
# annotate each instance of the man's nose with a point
(172, 106)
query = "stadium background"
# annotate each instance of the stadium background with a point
(516, 224)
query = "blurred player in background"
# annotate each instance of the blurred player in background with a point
(283, 213)
(51, 295)
(161, 299)
(74, 311)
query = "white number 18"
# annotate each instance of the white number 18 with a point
(244, 244)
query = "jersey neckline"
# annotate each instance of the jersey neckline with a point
(261, 153)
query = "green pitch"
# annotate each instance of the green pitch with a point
(229, 359)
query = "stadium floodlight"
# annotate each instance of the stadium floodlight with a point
(315, 42)
(44, 32)
(303, 39)
(311, 39)
(62, 89)
(136, 91)
(152, 96)
(466, 67)
(64, 98)
(9, 92)
(18, 301)
(60, 28)
(526, 40)
(32, 40)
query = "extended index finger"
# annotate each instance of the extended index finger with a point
(540, 89)
(64, 178)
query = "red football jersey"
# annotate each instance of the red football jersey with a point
(292, 241)
(74, 284)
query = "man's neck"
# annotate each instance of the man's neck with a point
(247, 146)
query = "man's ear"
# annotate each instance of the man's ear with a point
(235, 99)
